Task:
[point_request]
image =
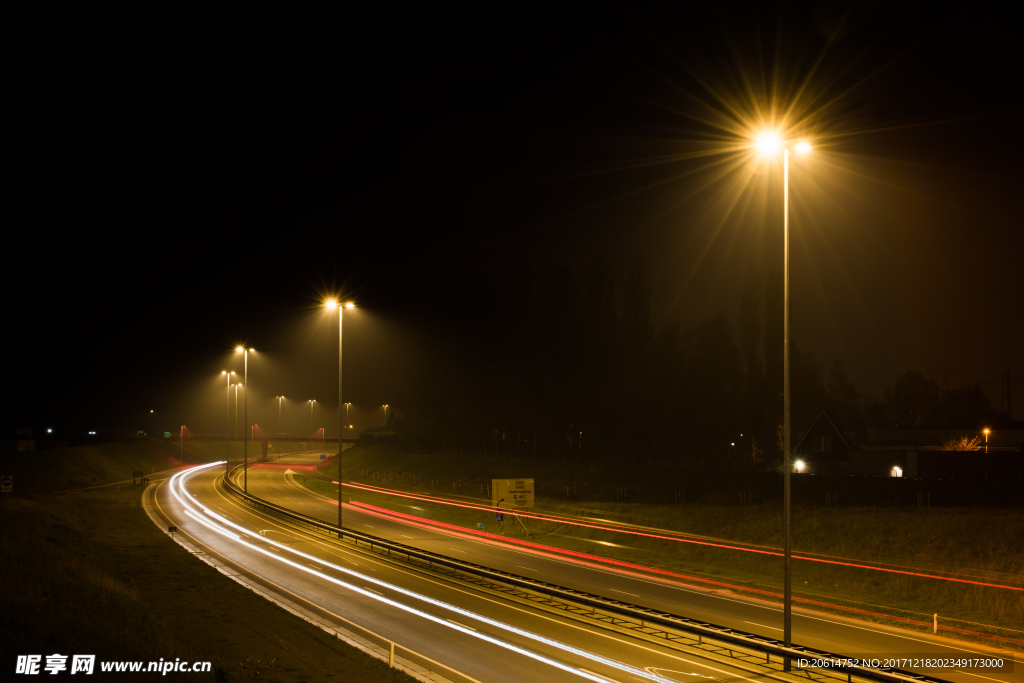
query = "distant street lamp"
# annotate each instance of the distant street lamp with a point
(331, 304)
(245, 409)
(986, 430)
(235, 421)
(311, 402)
(227, 417)
(279, 399)
(769, 144)
(385, 406)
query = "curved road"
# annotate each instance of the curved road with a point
(464, 650)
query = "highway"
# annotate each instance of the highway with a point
(487, 637)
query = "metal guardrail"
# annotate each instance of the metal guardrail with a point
(749, 641)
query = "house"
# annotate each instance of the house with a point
(822, 449)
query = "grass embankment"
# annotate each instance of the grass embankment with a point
(89, 573)
(979, 542)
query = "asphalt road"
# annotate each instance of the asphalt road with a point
(485, 660)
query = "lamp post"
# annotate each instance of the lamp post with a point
(331, 304)
(227, 418)
(245, 410)
(986, 430)
(235, 421)
(279, 399)
(311, 402)
(181, 452)
(769, 144)
(385, 407)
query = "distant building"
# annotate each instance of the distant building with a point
(823, 449)
(926, 454)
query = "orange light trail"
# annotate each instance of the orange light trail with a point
(588, 560)
(727, 546)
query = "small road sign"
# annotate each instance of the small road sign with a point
(499, 517)
(517, 493)
(6, 484)
(323, 456)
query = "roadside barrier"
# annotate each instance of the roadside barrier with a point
(832, 664)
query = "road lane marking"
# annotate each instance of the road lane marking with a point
(979, 675)
(665, 583)
(404, 536)
(379, 593)
(762, 625)
(624, 592)
(457, 550)
(561, 621)
(462, 625)
(586, 671)
(526, 568)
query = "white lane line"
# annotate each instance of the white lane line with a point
(462, 625)
(577, 627)
(762, 625)
(379, 593)
(624, 592)
(404, 536)
(314, 566)
(599, 675)
(457, 550)
(526, 568)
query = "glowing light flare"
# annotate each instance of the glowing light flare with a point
(331, 304)
(803, 147)
(412, 610)
(800, 465)
(768, 143)
(350, 305)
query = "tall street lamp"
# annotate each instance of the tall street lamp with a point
(770, 144)
(311, 402)
(331, 304)
(385, 407)
(245, 409)
(227, 417)
(279, 399)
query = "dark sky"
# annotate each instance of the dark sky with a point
(181, 183)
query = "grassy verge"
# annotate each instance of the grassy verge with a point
(979, 542)
(89, 573)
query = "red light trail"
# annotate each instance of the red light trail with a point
(681, 539)
(560, 554)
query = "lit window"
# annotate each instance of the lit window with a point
(897, 471)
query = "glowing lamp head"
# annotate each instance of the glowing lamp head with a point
(986, 431)
(768, 143)
(803, 147)
(350, 305)
(239, 349)
(331, 304)
(800, 465)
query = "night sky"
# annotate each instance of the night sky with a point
(181, 184)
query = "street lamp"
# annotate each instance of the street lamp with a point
(279, 399)
(385, 407)
(986, 431)
(332, 304)
(769, 143)
(311, 402)
(227, 417)
(245, 409)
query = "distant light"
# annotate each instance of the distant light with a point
(151, 411)
(331, 304)
(92, 433)
(897, 471)
(769, 142)
(803, 148)
(252, 350)
(986, 430)
(350, 305)
(49, 431)
(732, 444)
(239, 349)
(800, 465)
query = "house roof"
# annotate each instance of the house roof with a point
(811, 428)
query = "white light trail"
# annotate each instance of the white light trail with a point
(178, 485)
